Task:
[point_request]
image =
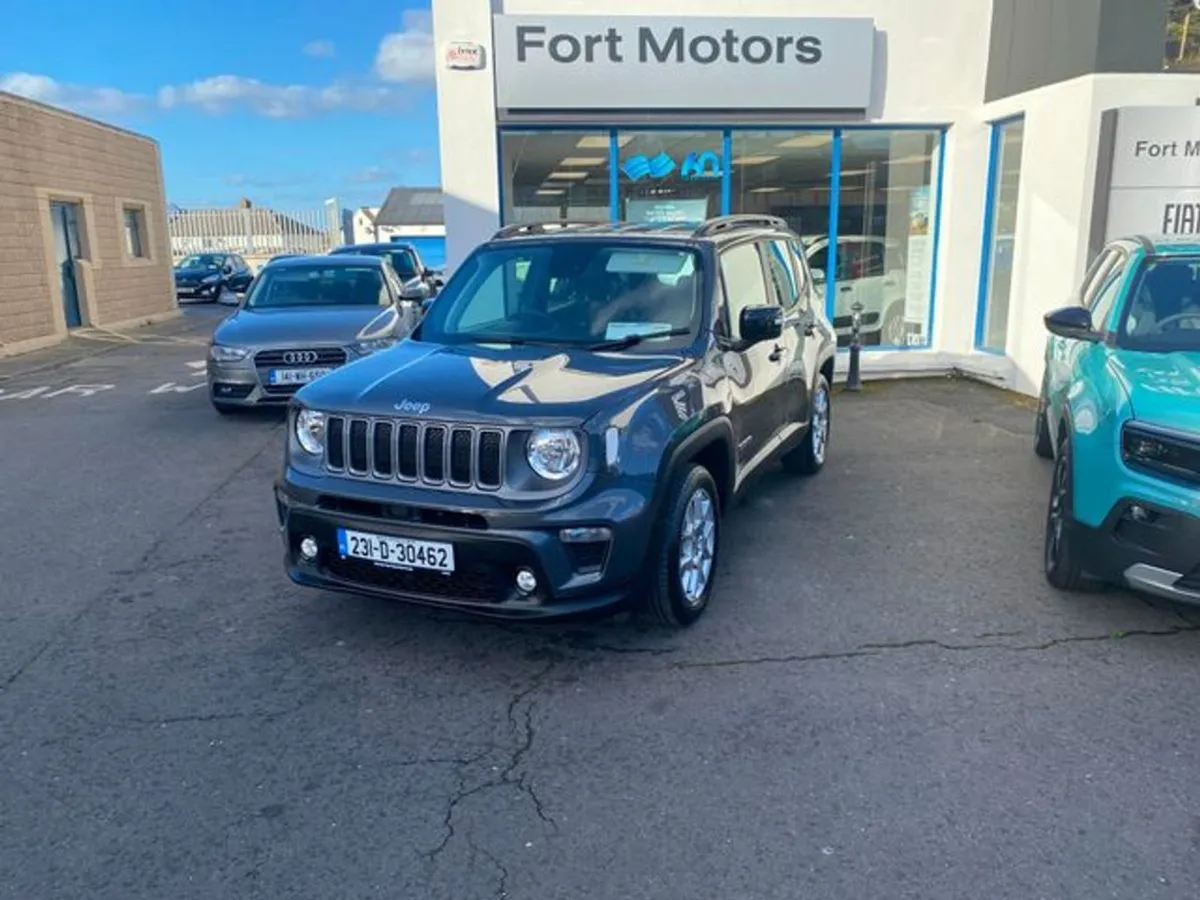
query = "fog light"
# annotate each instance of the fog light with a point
(584, 535)
(526, 581)
(309, 548)
(1139, 513)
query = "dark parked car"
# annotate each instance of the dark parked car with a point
(302, 319)
(212, 276)
(566, 427)
(420, 282)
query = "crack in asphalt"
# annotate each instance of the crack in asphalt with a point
(521, 726)
(879, 649)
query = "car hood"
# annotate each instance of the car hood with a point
(472, 382)
(196, 272)
(1163, 388)
(321, 325)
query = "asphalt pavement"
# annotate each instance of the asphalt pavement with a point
(884, 700)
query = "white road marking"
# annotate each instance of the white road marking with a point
(172, 388)
(24, 394)
(82, 390)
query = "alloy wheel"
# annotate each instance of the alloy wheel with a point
(820, 424)
(697, 546)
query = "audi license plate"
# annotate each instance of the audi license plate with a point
(396, 552)
(295, 376)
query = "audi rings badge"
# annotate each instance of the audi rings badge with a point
(300, 357)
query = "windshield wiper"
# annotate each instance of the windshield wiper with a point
(512, 340)
(632, 340)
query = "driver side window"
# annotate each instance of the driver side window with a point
(1106, 296)
(745, 283)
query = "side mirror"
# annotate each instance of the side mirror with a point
(1073, 322)
(415, 290)
(760, 323)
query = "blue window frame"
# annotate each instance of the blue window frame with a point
(921, 339)
(1000, 222)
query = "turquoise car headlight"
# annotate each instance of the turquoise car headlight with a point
(1172, 456)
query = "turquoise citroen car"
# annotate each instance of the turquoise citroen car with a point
(1119, 414)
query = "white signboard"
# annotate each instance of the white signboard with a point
(681, 62)
(1155, 178)
(464, 55)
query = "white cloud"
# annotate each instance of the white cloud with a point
(371, 175)
(320, 49)
(80, 98)
(407, 55)
(227, 93)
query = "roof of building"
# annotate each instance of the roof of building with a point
(262, 221)
(412, 206)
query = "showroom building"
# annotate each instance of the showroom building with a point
(83, 232)
(970, 158)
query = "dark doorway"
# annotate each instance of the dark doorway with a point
(67, 248)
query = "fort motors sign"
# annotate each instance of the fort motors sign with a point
(653, 62)
(1153, 183)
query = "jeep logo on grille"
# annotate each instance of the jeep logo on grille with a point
(410, 406)
(300, 357)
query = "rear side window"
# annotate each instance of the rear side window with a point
(783, 275)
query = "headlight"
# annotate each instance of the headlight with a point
(211, 279)
(553, 453)
(222, 354)
(365, 348)
(310, 431)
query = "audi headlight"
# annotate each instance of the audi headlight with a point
(366, 348)
(553, 453)
(222, 354)
(310, 431)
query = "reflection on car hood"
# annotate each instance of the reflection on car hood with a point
(1163, 388)
(196, 272)
(319, 325)
(473, 382)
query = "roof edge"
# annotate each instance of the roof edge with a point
(42, 106)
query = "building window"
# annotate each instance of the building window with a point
(135, 232)
(554, 176)
(785, 174)
(1000, 232)
(885, 238)
(670, 176)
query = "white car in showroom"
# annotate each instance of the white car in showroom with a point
(870, 271)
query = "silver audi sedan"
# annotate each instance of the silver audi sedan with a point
(301, 319)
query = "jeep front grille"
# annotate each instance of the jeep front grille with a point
(435, 453)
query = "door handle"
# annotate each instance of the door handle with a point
(776, 354)
(846, 288)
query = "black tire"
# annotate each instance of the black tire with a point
(1043, 443)
(665, 601)
(893, 320)
(809, 457)
(1061, 559)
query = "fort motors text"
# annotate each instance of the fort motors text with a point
(704, 49)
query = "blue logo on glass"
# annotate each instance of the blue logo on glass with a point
(695, 167)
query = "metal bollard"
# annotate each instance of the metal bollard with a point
(854, 376)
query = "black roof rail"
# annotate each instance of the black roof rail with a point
(739, 220)
(521, 228)
(1145, 243)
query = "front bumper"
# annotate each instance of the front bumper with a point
(243, 384)
(490, 546)
(1149, 547)
(198, 291)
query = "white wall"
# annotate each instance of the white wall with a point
(366, 232)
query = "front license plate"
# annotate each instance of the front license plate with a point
(399, 553)
(295, 376)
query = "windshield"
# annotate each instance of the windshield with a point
(1164, 314)
(304, 286)
(402, 259)
(202, 261)
(570, 292)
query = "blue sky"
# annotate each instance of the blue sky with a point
(287, 102)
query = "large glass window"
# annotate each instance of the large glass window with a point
(991, 331)
(884, 267)
(785, 174)
(552, 176)
(670, 176)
